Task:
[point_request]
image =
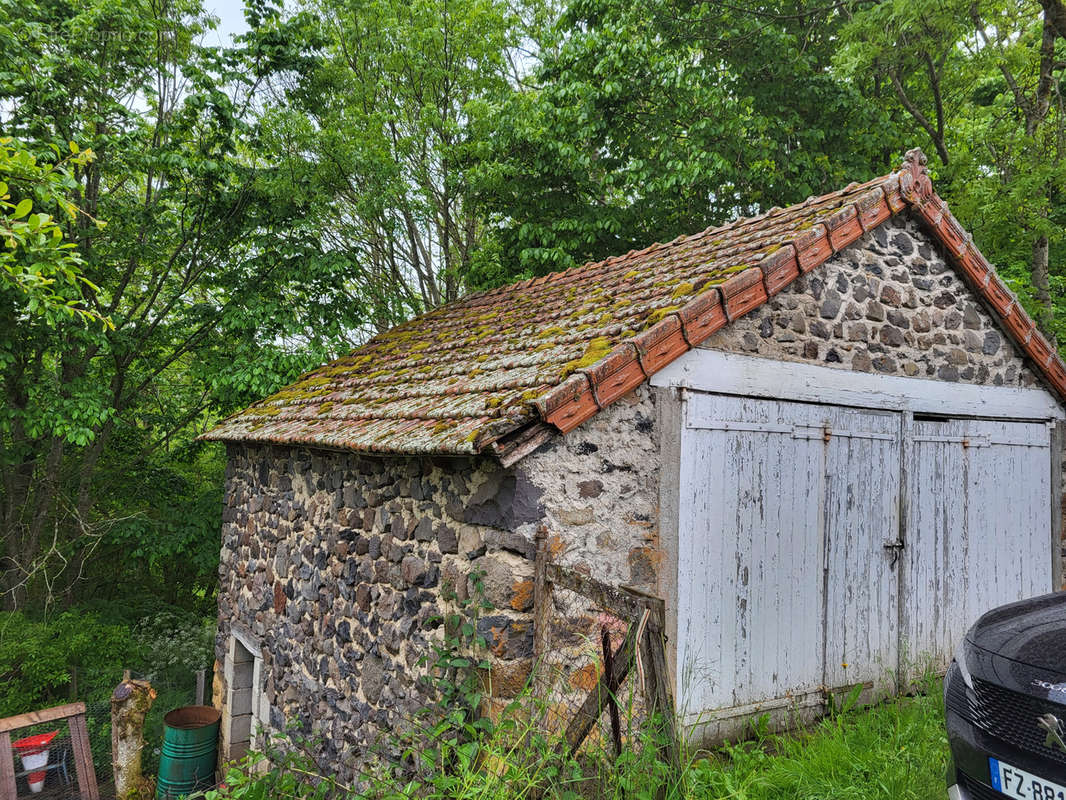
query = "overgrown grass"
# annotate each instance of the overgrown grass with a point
(895, 750)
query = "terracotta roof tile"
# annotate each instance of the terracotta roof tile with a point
(558, 348)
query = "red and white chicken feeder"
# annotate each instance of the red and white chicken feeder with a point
(33, 751)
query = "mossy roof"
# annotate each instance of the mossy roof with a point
(456, 379)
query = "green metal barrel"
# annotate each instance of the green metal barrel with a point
(190, 751)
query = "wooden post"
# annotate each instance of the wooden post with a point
(542, 600)
(662, 700)
(612, 689)
(8, 789)
(83, 759)
(200, 681)
(590, 710)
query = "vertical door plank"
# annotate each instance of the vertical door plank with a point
(750, 558)
(863, 458)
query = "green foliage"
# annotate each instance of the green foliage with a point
(38, 265)
(650, 120)
(39, 660)
(374, 121)
(449, 733)
(895, 750)
(218, 288)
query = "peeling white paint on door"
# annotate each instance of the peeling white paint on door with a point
(823, 546)
(977, 535)
(783, 579)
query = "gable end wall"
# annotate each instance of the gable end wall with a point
(890, 304)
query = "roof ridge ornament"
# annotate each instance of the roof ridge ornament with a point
(914, 182)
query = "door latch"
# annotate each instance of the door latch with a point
(896, 546)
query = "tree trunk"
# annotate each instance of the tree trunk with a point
(1042, 287)
(1055, 13)
(130, 703)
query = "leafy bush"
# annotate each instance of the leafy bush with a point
(71, 656)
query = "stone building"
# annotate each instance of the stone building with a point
(826, 436)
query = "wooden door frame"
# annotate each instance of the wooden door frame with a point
(728, 373)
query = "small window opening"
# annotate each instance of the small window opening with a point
(243, 698)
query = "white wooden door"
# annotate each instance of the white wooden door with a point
(861, 577)
(978, 532)
(784, 511)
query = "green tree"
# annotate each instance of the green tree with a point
(983, 81)
(217, 288)
(647, 120)
(377, 124)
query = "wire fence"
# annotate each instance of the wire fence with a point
(47, 754)
(45, 749)
(601, 677)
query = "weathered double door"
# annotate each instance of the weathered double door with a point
(826, 546)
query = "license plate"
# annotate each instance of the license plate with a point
(1015, 782)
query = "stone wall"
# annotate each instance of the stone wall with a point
(600, 491)
(890, 303)
(342, 568)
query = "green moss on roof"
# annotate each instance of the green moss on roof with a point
(552, 331)
(504, 348)
(658, 314)
(683, 289)
(597, 349)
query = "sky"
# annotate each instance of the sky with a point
(230, 15)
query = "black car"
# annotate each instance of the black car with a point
(1005, 695)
